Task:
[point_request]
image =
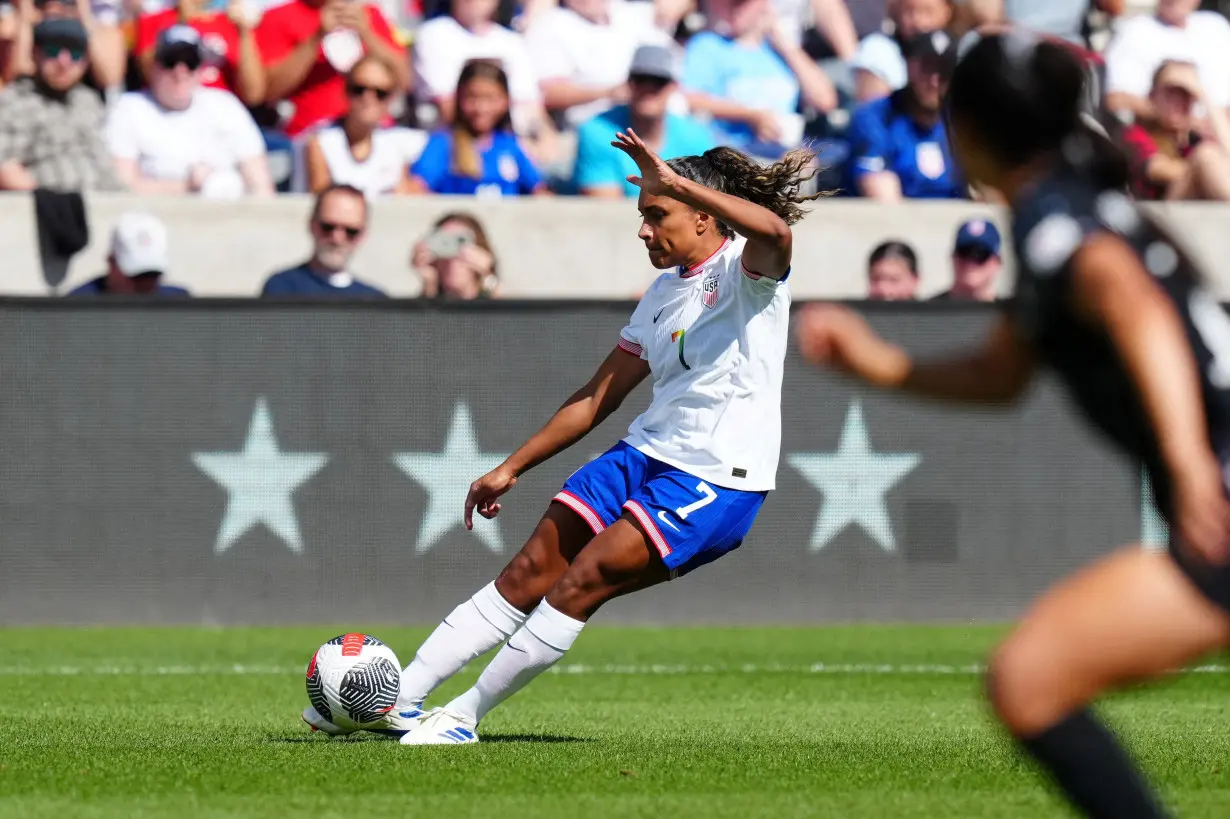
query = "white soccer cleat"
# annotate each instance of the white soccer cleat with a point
(442, 727)
(318, 723)
(400, 720)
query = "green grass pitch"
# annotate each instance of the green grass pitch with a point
(656, 723)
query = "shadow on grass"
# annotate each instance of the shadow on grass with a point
(308, 739)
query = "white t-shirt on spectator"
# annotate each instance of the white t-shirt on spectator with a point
(793, 16)
(393, 151)
(215, 130)
(564, 45)
(442, 47)
(1142, 43)
(880, 55)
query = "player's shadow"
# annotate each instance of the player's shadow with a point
(543, 738)
(365, 737)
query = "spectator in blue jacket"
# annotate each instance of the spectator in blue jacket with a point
(338, 225)
(898, 143)
(137, 262)
(602, 169)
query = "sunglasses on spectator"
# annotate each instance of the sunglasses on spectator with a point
(190, 59)
(355, 89)
(330, 228)
(975, 253)
(53, 51)
(656, 83)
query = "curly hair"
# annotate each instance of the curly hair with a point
(774, 187)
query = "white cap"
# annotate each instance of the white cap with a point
(139, 244)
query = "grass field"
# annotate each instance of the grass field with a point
(669, 724)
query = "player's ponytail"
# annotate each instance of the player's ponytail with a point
(775, 187)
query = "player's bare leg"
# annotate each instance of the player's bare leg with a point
(617, 561)
(496, 611)
(1128, 618)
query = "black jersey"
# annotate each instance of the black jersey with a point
(1050, 223)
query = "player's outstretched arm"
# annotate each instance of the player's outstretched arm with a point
(835, 336)
(1112, 289)
(769, 240)
(588, 407)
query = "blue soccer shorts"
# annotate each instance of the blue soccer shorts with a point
(689, 522)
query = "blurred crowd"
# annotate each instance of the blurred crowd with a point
(232, 98)
(227, 98)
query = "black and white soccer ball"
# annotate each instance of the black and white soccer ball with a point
(353, 681)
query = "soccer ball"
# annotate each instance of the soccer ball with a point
(353, 681)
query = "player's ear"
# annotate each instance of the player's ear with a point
(703, 222)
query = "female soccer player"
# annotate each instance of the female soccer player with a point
(683, 488)
(1114, 307)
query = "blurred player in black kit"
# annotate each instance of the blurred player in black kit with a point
(1108, 301)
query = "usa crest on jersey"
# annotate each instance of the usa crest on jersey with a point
(709, 289)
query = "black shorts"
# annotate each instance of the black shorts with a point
(1213, 581)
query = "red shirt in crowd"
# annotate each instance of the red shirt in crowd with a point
(322, 95)
(1141, 147)
(218, 33)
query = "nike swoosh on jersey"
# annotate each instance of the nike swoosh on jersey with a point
(659, 315)
(662, 517)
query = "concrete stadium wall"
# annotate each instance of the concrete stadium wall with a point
(548, 248)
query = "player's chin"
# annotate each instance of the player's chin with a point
(660, 259)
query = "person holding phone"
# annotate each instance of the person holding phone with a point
(232, 60)
(455, 260)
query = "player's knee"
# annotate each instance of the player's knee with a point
(526, 578)
(579, 592)
(1022, 688)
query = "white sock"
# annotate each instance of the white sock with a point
(474, 628)
(537, 646)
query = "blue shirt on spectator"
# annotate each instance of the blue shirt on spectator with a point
(302, 281)
(506, 169)
(600, 165)
(98, 287)
(755, 77)
(884, 137)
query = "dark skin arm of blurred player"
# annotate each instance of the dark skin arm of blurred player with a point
(1111, 289)
(995, 374)
(588, 407)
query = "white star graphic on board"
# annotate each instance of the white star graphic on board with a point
(447, 477)
(259, 482)
(854, 481)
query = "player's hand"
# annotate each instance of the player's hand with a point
(656, 177)
(484, 492)
(836, 337)
(1202, 511)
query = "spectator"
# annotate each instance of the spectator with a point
(603, 170)
(309, 46)
(879, 64)
(892, 272)
(976, 263)
(582, 51)
(361, 150)
(443, 46)
(137, 262)
(177, 137)
(832, 20)
(480, 153)
(1170, 160)
(107, 49)
(50, 123)
(455, 260)
(749, 78)
(232, 60)
(1175, 31)
(899, 144)
(338, 225)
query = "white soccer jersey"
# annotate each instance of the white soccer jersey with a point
(715, 339)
